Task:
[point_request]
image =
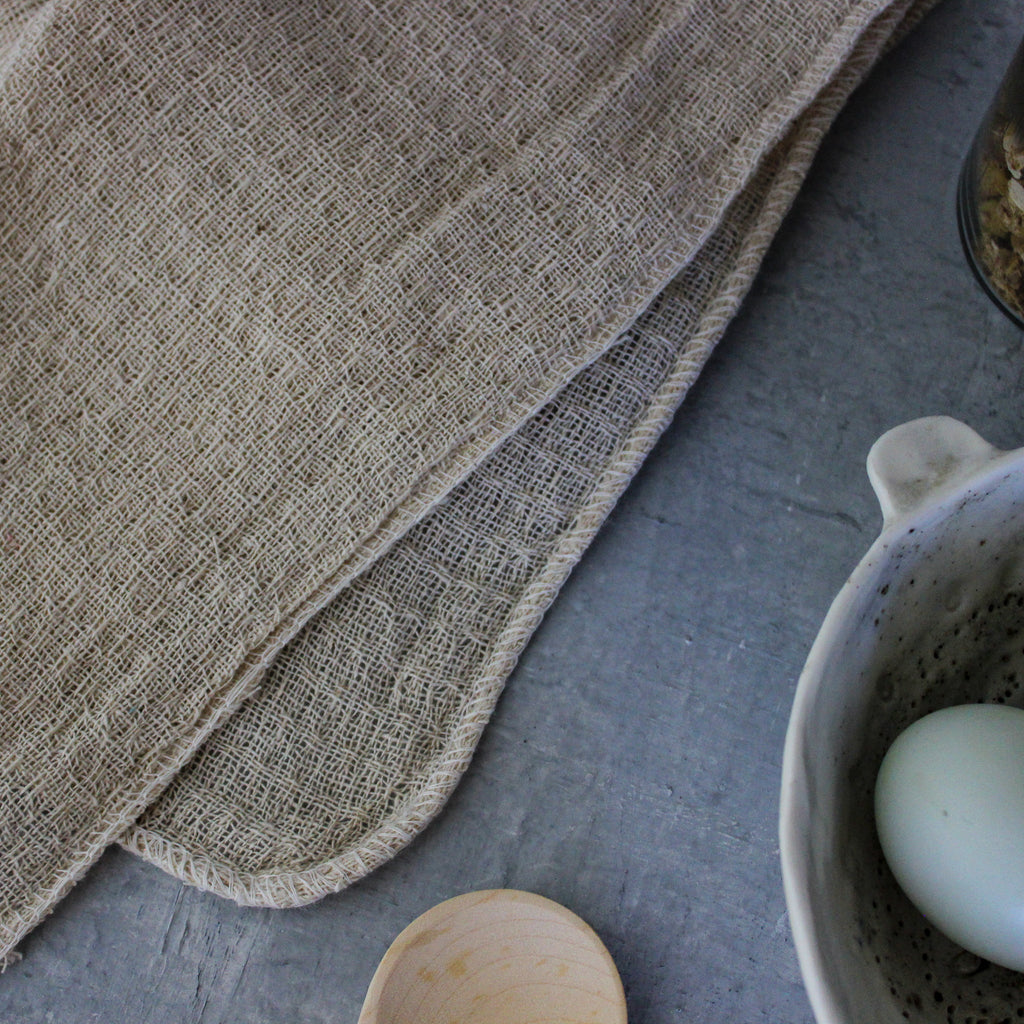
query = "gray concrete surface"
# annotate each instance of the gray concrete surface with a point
(631, 770)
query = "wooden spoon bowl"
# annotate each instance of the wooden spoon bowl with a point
(496, 957)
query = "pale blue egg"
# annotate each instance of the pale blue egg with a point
(949, 806)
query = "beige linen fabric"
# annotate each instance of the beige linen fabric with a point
(274, 278)
(15, 16)
(368, 718)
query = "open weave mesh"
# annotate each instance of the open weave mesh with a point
(275, 278)
(369, 716)
(367, 720)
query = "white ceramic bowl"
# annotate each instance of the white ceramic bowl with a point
(933, 616)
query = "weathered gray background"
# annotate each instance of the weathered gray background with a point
(631, 770)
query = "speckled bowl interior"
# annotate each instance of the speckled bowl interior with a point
(932, 617)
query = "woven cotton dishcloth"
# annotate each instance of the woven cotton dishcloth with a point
(274, 278)
(368, 718)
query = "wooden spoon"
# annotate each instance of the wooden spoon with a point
(496, 957)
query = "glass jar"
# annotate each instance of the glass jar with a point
(990, 197)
